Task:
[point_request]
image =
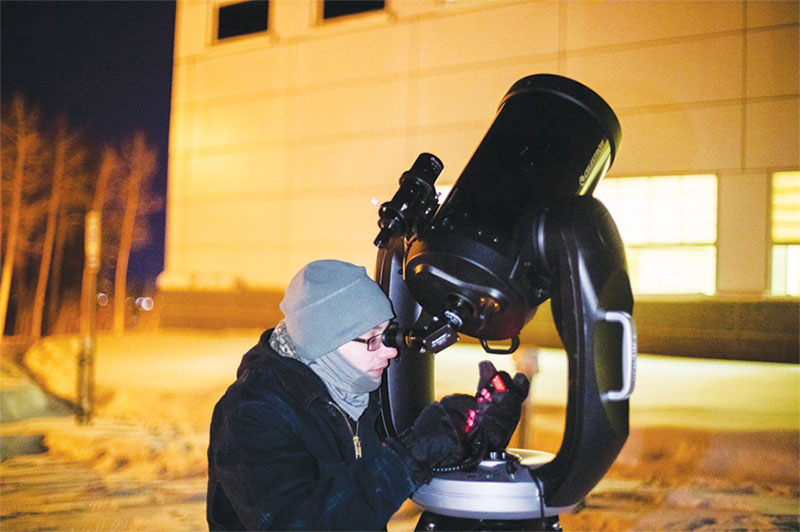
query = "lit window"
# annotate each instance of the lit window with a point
(340, 8)
(669, 227)
(242, 18)
(785, 278)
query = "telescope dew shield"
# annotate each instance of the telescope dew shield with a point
(552, 139)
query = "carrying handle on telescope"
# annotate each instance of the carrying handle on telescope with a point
(580, 249)
(500, 350)
(628, 355)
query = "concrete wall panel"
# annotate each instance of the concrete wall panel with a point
(181, 131)
(291, 19)
(241, 121)
(489, 35)
(350, 218)
(257, 263)
(331, 168)
(254, 71)
(243, 175)
(706, 70)
(772, 13)
(591, 24)
(683, 140)
(210, 222)
(376, 52)
(183, 82)
(773, 57)
(351, 109)
(191, 27)
(773, 134)
(743, 218)
(362, 254)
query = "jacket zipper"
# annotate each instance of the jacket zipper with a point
(354, 434)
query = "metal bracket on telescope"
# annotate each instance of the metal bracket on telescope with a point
(440, 334)
(441, 337)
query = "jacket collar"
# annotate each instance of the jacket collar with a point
(293, 374)
(296, 377)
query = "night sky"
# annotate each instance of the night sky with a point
(106, 65)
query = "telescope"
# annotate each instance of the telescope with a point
(519, 226)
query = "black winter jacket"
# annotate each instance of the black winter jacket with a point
(281, 455)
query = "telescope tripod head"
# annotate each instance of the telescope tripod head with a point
(519, 226)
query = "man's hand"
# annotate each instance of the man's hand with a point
(499, 399)
(438, 437)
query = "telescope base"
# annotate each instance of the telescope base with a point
(429, 522)
(501, 493)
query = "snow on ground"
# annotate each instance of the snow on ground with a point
(713, 445)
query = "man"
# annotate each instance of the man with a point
(293, 441)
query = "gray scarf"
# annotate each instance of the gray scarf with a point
(349, 386)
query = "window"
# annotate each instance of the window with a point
(669, 227)
(340, 8)
(242, 18)
(785, 275)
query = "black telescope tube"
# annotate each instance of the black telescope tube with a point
(552, 139)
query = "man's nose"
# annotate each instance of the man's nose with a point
(388, 352)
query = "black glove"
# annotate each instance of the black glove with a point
(499, 401)
(438, 437)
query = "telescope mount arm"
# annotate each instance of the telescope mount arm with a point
(579, 248)
(409, 383)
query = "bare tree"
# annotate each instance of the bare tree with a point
(68, 157)
(66, 226)
(139, 159)
(77, 190)
(21, 133)
(50, 233)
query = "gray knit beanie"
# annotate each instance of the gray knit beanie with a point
(330, 302)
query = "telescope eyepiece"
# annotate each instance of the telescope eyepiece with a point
(427, 167)
(393, 336)
(414, 203)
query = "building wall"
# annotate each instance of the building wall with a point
(279, 141)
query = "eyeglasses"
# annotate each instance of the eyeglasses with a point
(373, 343)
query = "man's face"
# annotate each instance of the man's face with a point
(370, 362)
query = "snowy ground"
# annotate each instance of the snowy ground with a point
(713, 445)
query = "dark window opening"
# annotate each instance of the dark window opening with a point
(242, 18)
(340, 8)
